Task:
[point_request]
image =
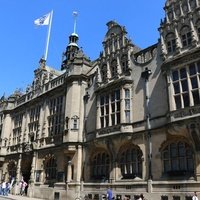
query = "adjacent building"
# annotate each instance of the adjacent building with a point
(129, 120)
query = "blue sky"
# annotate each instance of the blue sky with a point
(22, 44)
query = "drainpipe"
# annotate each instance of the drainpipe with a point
(146, 74)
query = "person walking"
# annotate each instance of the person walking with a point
(23, 187)
(109, 194)
(3, 186)
(141, 197)
(195, 196)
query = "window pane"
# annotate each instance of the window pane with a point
(194, 82)
(173, 148)
(174, 164)
(102, 100)
(127, 93)
(117, 94)
(113, 119)
(107, 121)
(127, 104)
(181, 149)
(102, 110)
(182, 164)
(107, 99)
(183, 73)
(127, 113)
(118, 118)
(175, 75)
(107, 109)
(113, 107)
(184, 85)
(186, 100)
(195, 95)
(190, 164)
(178, 101)
(176, 88)
(118, 106)
(112, 96)
(166, 166)
(173, 45)
(102, 121)
(198, 67)
(189, 38)
(192, 69)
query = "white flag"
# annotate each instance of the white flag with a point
(42, 21)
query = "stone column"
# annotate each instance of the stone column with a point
(172, 105)
(108, 48)
(167, 17)
(79, 163)
(193, 32)
(178, 43)
(197, 3)
(122, 107)
(18, 175)
(1, 174)
(32, 178)
(119, 67)
(181, 8)
(98, 123)
(163, 45)
(113, 45)
(189, 8)
(69, 171)
(118, 45)
(108, 69)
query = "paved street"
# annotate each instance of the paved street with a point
(17, 197)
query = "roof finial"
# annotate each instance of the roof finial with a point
(75, 14)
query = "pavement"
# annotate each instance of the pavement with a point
(18, 197)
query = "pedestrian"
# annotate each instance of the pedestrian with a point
(195, 196)
(23, 187)
(141, 197)
(109, 194)
(25, 184)
(7, 190)
(3, 186)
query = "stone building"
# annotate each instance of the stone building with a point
(128, 120)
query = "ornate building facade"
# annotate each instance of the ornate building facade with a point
(128, 120)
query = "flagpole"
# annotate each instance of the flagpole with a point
(48, 36)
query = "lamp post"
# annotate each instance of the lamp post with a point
(146, 74)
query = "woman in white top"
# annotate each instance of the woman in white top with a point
(195, 196)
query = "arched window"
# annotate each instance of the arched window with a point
(171, 43)
(113, 68)
(124, 63)
(50, 168)
(186, 36)
(130, 161)
(178, 159)
(100, 166)
(104, 72)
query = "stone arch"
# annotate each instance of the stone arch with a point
(177, 156)
(130, 158)
(99, 164)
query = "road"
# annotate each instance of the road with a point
(16, 197)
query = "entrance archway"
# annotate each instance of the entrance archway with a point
(26, 168)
